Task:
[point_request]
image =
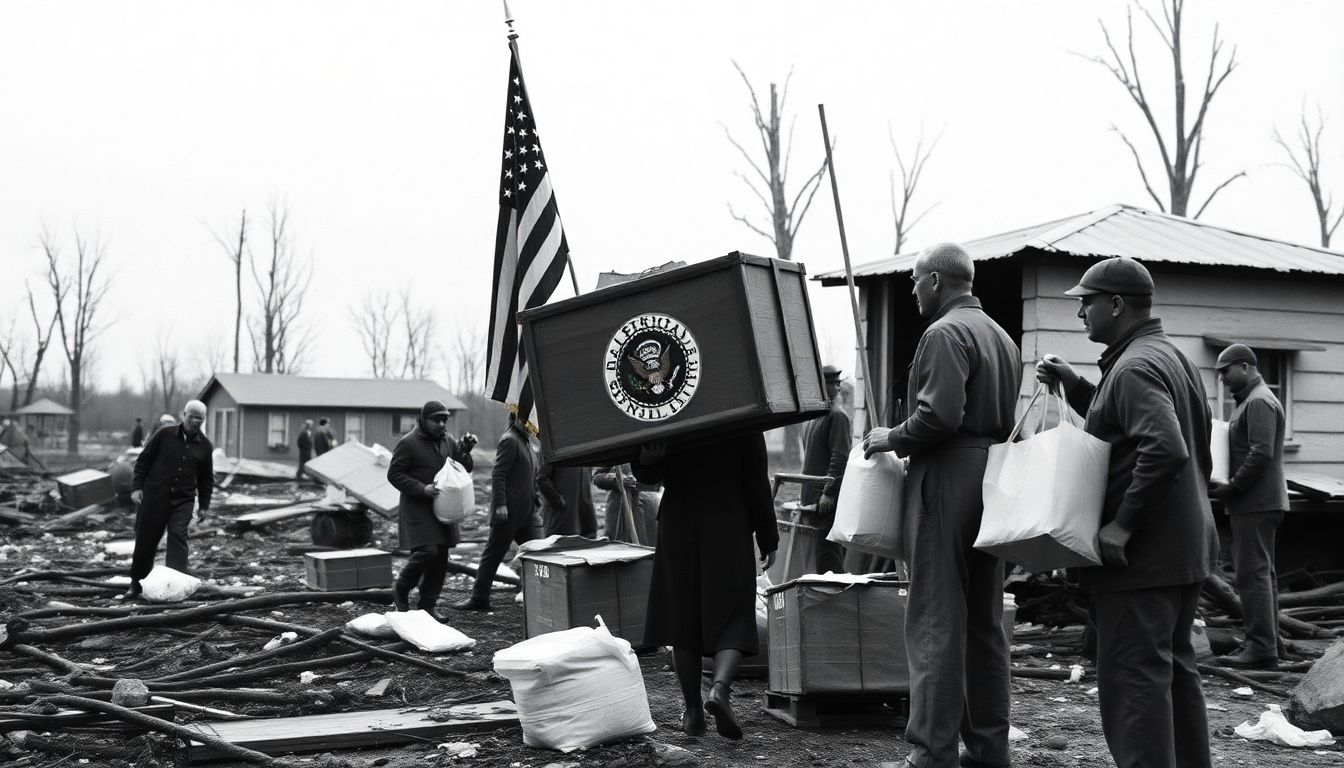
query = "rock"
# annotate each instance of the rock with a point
(379, 688)
(129, 692)
(1318, 701)
(1199, 637)
(671, 754)
(1055, 742)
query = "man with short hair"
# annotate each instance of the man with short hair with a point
(325, 439)
(826, 443)
(1157, 538)
(305, 442)
(174, 470)
(963, 388)
(1255, 498)
(138, 433)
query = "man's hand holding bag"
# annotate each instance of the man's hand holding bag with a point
(457, 495)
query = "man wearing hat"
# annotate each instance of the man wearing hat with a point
(826, 444)
(417, 458)
(1157, 538)
(1255, 498)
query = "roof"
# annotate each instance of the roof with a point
(1122, 230)
(44, 407)
(314, 391)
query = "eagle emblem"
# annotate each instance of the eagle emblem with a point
(652, 363)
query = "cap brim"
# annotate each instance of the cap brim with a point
(439, 413)
(1079, 290)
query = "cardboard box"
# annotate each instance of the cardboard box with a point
(693, 354)
(348, 569)
(85, 487)
(565, 589)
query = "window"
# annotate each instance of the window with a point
(277, 428)
(224, 434)
(1276, 368)
(354, 427)
(404, 422)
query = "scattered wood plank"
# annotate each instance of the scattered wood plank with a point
(259, 519)
(37, 721)
(56, 523)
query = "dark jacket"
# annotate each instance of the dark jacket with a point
(324, 440)
(305, 444)
(416, 459)
(1150, 405)
(173, 467)
(1256, 443)
(826, 445)
(643, 496)
(568, 496)
(138, 436)
(513, 480)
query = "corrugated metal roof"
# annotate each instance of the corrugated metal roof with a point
(1122, 230)
(274, 389)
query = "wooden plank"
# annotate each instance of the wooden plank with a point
(346, 730)
(27, 721)
(272, 515)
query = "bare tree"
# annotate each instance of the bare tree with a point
(1180, 154)
(168, 364)
(1307, 166)
(900, 209)
(78, 291)
(235, 255)
(786, 216)
(374, 320)
(466, 353)
(278, 340)
(420, 326)
(15, 352)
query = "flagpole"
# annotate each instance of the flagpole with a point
(513, 46)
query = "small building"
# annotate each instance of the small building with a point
(1214, 286)
(44, 421)
(259, 415)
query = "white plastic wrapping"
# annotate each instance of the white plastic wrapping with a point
(421, 630)
(457, 495)
(869, 515)
(166, 585)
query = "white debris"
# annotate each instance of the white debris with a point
(1274, 727)
(1075, 673)
(1243, 691)
(5, 685)
(460, 748)
(1016, 734)
(1092, 691)
(307, 678)
(284, 638)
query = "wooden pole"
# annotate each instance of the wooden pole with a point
(874, 411)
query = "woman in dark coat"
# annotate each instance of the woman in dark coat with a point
(418, 457)
(643, 497)
(702, 600)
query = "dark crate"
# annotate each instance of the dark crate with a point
(561, 591)
(348, 569)
(85, 487)
(732, 339)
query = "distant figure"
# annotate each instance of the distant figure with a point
(174, 469)
(166, 420)
(826, 444)
(305, 447)
(643, 497)
(325, 438)
(513, 509)
(138, 433)
(568, 496)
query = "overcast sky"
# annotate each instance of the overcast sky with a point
(379, 125)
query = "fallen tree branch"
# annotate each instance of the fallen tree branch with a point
(1037, 673)
(1309, 596)
(233, 695)
(50, 659)
(65, 745)
(312, 643)
(241, 676)
(1237, 677)
(56, 575)
(175, 649)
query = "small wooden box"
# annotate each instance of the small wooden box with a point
(696, 353)
(563, 589)
(348, 569)
(85, 487)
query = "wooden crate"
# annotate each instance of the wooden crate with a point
(850, 711)
(85, 487)
(348, 569)
(562, 590)
(693, 354)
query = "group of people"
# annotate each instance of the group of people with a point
(312, 443)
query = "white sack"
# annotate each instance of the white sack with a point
(421, 630)
(576, 688)
(371, 625)
(457, 495)
(1220, 445)
(1274, 727)
(165, 585)
(1043, 496)
(869, 515)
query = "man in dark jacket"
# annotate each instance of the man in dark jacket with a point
(174, 470)
(826, 444)
(1255, 498)
(305, 447)
(138, 433)
(622, 487)
(513, 509)
(1157, 538)
(963, 388)
(325, 439)
(568, 496)
(417, 458)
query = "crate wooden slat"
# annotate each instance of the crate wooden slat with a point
(561, 591)
(85, 487)
(348, 569)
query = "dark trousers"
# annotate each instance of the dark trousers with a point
(955, 645)
(501, 536)
(303, 459)
(830, 555)
(1152, 706)
(574, 520)
(426, 567)
(151, 521)
(1253, 539)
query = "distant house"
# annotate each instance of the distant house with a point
(259, 416)
(1214, 286)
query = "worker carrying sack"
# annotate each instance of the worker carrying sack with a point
(869, 516)
(1220, 447)
(457, 495)
(1043, 496)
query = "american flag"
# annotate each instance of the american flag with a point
(530, 248)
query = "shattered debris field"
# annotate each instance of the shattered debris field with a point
(70, 638)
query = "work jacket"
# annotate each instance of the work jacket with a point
(174, 467)
(1255, 438)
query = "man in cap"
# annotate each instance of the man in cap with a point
(1255, 498)
(305, 443)
(325, 439)
(416, 460)
(1157, 538)
(173, 470)
(138, 433)
(826, 443)
(964, 385)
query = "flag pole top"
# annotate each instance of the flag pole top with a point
(508, 20)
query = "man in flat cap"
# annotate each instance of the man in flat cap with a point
(1255, 498)
(416, 459)
(826, 444)
(964, 384)
(1157, 538)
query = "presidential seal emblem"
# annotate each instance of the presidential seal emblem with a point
(652, 367)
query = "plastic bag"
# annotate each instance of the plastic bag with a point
(165, 585)
(371, 625)
(457, 495)
(1220, 447)
(1274, 727)
(421, 630)
(869, 513)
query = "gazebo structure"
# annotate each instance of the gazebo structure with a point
(44, 421)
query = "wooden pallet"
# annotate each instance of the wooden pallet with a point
(836, 711)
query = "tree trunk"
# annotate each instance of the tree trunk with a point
(72, 423)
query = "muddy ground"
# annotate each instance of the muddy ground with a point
(1059, 719)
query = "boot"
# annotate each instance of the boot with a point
(401, 596)
(720, 707)
(693, 721)
(1247, 660)
(472, 604)
(133, 592)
